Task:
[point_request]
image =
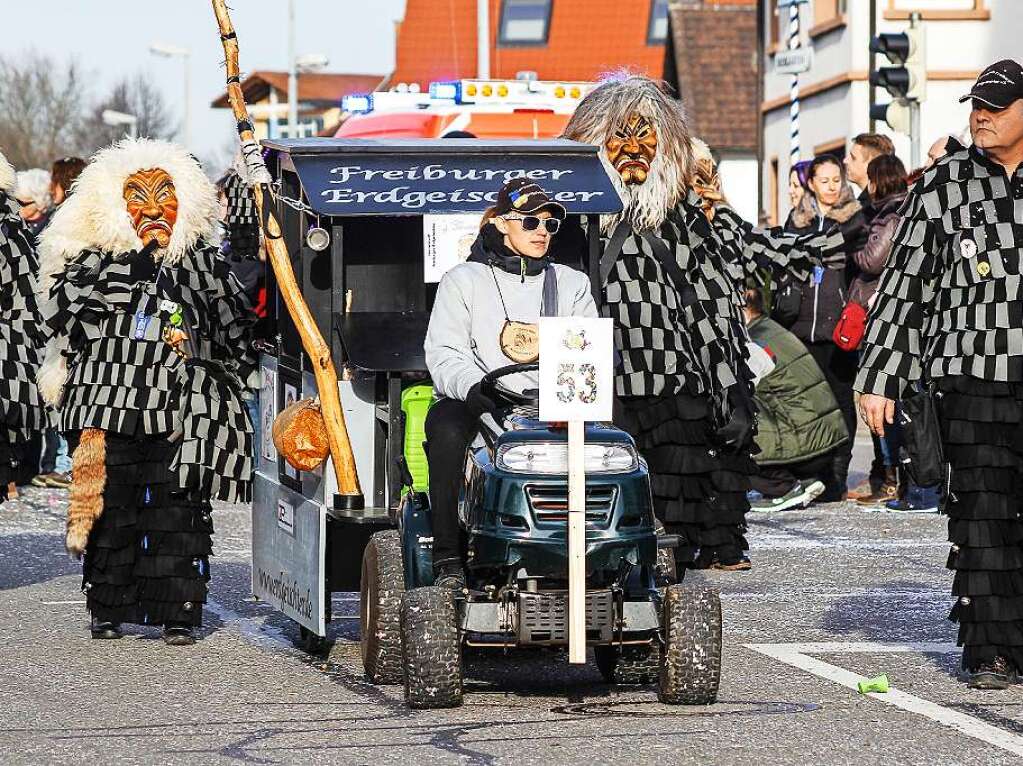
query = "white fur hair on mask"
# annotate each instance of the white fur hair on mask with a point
(34, 186)
(7, 175)
(96, 217)
(605, 109)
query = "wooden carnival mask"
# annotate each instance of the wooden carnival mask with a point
(152, 203)
(632, 147)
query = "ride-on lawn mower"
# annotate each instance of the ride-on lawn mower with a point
(368, 225)
(514, 513)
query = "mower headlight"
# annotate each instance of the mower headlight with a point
(552, 458)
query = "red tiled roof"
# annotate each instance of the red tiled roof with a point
(715, 43)
(312, 86)
(437, 41)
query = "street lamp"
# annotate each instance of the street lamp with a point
(114, 119)
(308, 62)
(185, 54)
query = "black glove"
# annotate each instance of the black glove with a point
(737, 434)
(479, 401)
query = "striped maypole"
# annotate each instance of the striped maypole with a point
(794, 89)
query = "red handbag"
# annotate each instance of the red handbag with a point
(851, 326)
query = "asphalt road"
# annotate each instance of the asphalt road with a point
(835, 594)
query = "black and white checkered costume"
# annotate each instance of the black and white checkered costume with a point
(949, 311)
(21, 410)
(682, 346)
(242, 220)
(748, 249)
(128, 386)
(676, 337)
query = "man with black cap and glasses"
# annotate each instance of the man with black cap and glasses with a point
(949, 318)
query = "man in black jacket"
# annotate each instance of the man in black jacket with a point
(949, 313)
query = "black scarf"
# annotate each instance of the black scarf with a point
(489, 248)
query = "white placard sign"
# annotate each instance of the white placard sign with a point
(447, 240)
(793, 61)
(576, 369)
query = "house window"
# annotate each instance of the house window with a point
(525, 22)
(657, 31)
(304, 128)
(938, 10)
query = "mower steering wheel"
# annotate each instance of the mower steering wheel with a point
(489, 383)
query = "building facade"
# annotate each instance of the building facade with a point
(319, 100)
(963, 37)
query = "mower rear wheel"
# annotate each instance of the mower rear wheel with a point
(383, 583)
(630, 664)
(690, 666)
(431, 648)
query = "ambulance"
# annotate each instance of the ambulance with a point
(488, 109)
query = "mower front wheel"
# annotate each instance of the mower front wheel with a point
(690, 665)
(431, 648)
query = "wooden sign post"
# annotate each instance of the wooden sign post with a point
(576, 386)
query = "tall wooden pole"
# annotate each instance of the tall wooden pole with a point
(277, 253)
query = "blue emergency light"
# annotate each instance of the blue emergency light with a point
(357, 103)
(447, 91)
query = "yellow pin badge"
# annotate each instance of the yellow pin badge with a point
(983, 268)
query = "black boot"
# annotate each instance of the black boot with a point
(104, 630)
(998, 674)
(178, 634)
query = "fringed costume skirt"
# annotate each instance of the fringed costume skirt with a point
(982, 427)
(147, 559)
(699, 492)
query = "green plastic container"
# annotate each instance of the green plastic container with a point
(415, 403)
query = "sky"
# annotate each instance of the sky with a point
(111, 39)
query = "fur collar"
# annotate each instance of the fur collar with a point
(807, 211)
(7, 175)
(95, 217)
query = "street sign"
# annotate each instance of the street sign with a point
(787, 3)
(793, 61)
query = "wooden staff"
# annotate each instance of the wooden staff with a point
(312, 341)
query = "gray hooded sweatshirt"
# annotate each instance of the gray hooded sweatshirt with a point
(463, 339)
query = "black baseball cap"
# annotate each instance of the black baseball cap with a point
(998, 85)
(520, 195)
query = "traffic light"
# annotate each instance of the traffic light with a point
(896, 113)
(908, 51)
(906, 81)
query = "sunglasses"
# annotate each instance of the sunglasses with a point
(532, 222)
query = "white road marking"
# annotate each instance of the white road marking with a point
(61, 603)
(796, 655)
(255, 630)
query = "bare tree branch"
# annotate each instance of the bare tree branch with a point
(41, 105)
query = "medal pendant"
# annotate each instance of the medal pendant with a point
(520, 342)
(983, 268)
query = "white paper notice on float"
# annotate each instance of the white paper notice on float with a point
(447, 241)
(576, 369)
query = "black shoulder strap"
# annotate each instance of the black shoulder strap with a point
(671, 268)
(550, 292)
(613, 250)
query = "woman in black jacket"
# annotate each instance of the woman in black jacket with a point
(830, 202)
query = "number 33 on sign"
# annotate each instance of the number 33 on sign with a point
(576, 369)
